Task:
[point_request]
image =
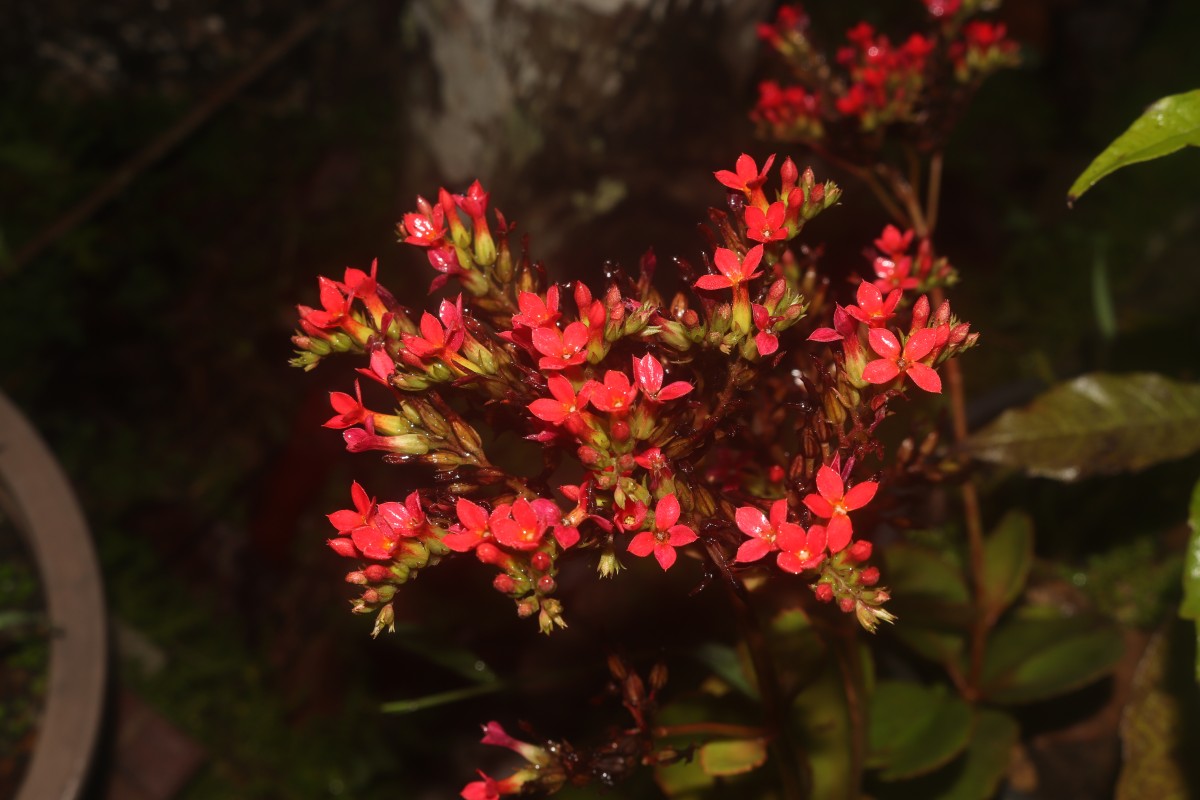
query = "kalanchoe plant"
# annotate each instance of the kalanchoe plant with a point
(652, 445)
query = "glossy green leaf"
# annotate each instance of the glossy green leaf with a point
(973, 775)
(1095, 424)
(1030, 659)
(929, 595)
(1190, 607)
(1007, 557)
(733, 756)
(1168, 125)
(915, 729)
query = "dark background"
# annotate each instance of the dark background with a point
(149, 343)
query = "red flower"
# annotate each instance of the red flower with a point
(895, 362)
(648, 371)
(747, 178)
(752, 522)
(566, 408)
(425, 228)
(615, 395)
(364, 508)
(438, 339)
(350, 410)
(766, 226)
(407, 518)
(766, 342)
(873, 309)
(561, 349)
(630, 516)
(894, 274)
(666, 536)
(527, 525)
(833, 503)
(733, 271)
(892, 243)
(472, 528)
(536, 312)
(801, 550)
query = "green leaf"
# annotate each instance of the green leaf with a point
(733, 756)
(822, 721)
(1190, 607)
(929, 595)
(915, 729)
(1168, 125)
(1008, 555)
(682, 780)
(976, 773)
(729, 666)
(1095, 424)
(1155, 725)
(1031, 659)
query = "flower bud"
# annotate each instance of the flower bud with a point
(343, 547)
(540, 561)
(920, 314)
(546, 584)
(942, 315)
(503, 583)
(788, 174)
(823, 592)
(860, 551)
(846, 604)
(869, 576)
(376, 573)
(386, 618)
(488, 553)
(356, 578)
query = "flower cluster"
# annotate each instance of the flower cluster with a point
(701, 426)
(875, 82)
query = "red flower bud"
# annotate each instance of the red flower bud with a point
(788, 174)
(488, 553)
(503, 583)
(376, 573)
(356, 578)
(860, 551)
(823, 592)
(546, 584)
(343, 547)
(869, 576)
(540, 561)
(846, 604)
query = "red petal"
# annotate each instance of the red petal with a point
(665, 555)
(817, 539)
(727, 262)
(472, 516)
(750, 263)
(649, 373)
(767, 343)
(549, 410)
(675, 390)
(791, 537)
(839, 531)
(681, 535)
(548, 341)
(565, 536)
(431, 330)
(819, 506)
(920, 343)
(642, 544)
(884, 343)
(666, 513)
(829, 484)
(729, 179)
(860, 494)
(561, 388)
(712, 283)
(752, 550)
(925, 377)
(880, 370)
(779, 512)
(750, 521)
(869, 296)
(825, 335)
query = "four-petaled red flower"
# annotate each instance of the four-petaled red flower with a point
(766, 226)
(566, 407)
(473, 527)
(873, 308)
(392, 521)
(350, 410)
(536, 312)
(747, 178)
(800, 550)
(763, 533)
(561, 349)
(649, 374)
(526, 526)
(734, 272)
(832, 502)
(438, 339)
(364, 508)
(425, 229)
(895, 362)
(615, 395)
(666, 536)
(892, 243)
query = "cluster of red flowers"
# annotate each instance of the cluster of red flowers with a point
(879, 82)
(635, 400)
